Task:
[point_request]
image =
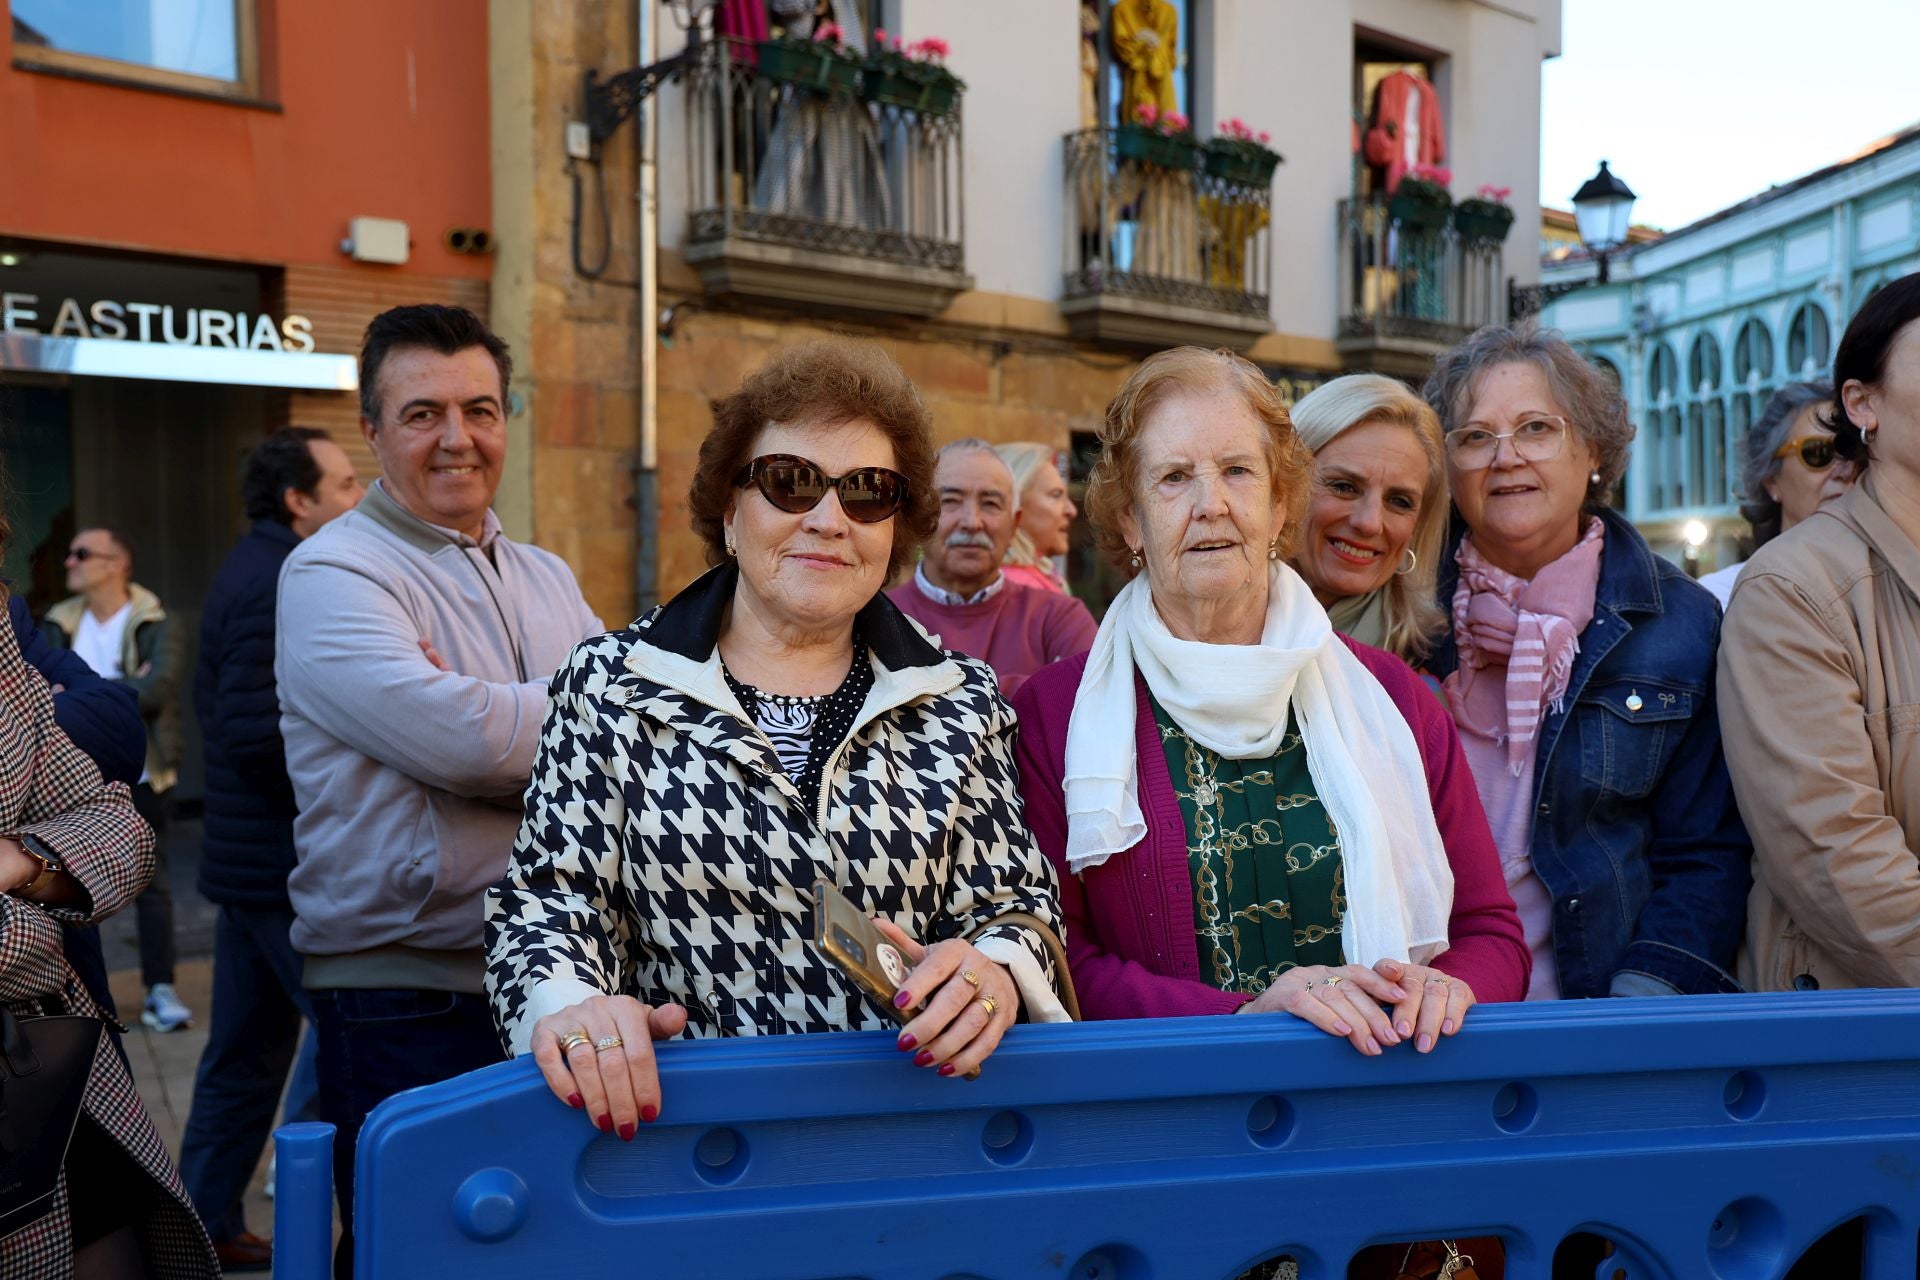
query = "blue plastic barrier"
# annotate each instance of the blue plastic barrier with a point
(1709, 1137)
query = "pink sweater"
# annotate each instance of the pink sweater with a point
(1129, 922)
(1018, 631)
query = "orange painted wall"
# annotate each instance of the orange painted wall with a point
(383, 113)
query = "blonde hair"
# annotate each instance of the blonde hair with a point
(1024, 458)
(1326, 413)
(1110, 485)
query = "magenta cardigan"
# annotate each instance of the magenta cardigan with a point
(1130, 941)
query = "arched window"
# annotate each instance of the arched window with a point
(1663, 426)
(1706, 445)
(1753, 375)
(1808, 343)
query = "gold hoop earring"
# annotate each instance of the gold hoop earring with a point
(1413, 562)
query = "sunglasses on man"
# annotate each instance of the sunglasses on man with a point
(80, 555)
(1816, 452)
(794, 485)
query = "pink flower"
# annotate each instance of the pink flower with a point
(1175, 122)
(828, 32)
(1146, 113)
(1496, 194)
(1264, 138)
(935, 47)
(880, 35)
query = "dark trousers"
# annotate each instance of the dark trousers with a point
(376, 1043)
(154, 907)
(253, 1034)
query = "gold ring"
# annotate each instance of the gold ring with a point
(1333, 979)
(971, 978)
(986, 1002)
(573, 1040)
(1442, 981)
(605, 1043)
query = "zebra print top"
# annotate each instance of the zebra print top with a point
(805, 730)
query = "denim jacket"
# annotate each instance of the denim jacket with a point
(1635, 832)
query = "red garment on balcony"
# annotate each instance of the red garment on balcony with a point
(746, 22)
(1407, 129)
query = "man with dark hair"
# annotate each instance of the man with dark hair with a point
(296, 482)
(121, 630)
(415, 645)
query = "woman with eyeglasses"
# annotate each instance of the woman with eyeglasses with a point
(1790, 471)
(778, 722)
(1821, 664)
(1579, 667)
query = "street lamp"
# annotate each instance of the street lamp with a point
(1603, 211)
(1695, 534)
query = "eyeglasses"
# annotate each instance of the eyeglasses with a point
(1816, 452)
(1538, 439)
(80, 555)
(794, 485)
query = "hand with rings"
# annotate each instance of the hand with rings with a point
(597, 1056)
(1436, 1003)
(1343, 1001)
(966, 1003)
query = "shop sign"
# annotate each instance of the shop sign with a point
(154, 322)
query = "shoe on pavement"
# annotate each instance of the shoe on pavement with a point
(164, 1011)
(245, 1252)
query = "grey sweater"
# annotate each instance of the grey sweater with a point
(409, 778)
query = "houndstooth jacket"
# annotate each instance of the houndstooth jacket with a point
(48, 788)
(666, 855)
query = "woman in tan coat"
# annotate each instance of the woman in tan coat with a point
(1820, 691)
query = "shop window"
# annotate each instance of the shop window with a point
(1808, 341)
(202, 46)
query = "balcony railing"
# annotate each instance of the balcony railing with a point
(820, 196)
(1407, 291)
(1160, 251)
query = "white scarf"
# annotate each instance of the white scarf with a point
(1232, 699)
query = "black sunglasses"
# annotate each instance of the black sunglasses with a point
(84, 554)
(1816, 452)
(794, 485)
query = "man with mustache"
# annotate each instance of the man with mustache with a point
(958, 592)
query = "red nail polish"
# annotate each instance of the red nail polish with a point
(902, 1000)
(648, 1113)
(906, 1042)
(605, 1123)
(924, 1058)
(626, 1131)
(946, 1068)
(573, 1100)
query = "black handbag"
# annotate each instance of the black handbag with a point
(44, 1065)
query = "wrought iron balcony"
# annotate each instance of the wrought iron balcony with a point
(1409, 291)
(821, 195)
(1161, 249)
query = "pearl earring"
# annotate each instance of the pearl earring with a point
(1133, 561)
(1273, 549)
(1593, 477)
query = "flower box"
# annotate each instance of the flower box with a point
(1483, 221)
(1419, 205)
(1236, 160)
(1148, 146)
(930, 94)
(809, 66)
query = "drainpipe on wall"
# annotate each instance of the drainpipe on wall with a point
(646, 489)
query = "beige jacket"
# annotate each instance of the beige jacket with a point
(1820, 714)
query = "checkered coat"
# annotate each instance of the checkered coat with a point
(48, 788)
(667, 856)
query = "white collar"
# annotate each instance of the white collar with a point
(940, 595)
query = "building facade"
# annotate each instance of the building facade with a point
(1702, 325)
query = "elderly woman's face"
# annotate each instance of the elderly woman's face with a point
(1046, 512)
(813, 571)
(1204, 510)
(1524, 514)
(1369, 486)
(1800, 489)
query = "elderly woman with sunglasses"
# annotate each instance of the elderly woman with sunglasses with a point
(1790, 471)
(778, 722)
(1580, 669)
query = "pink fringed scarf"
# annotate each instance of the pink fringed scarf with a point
(1532, 628)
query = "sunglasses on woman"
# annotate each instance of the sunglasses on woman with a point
(1816, 452)
(794, 485)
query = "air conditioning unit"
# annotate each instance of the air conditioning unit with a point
(376, 240)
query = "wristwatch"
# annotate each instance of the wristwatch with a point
(51, 864)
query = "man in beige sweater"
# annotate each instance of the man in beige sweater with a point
(415, 644)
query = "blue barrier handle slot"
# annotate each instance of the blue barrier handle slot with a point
(303, 1202)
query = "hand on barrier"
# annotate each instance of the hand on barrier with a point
(598, 1056)
(966, 1003)
(1343, 1001)
(1424, 1016)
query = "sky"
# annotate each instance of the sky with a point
(1699, 104)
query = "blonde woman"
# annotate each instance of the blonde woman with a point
(1045, 513)
(1377, 517)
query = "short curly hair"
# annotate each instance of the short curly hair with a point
(1112, 484)
(1589, 398)
(820, 384)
